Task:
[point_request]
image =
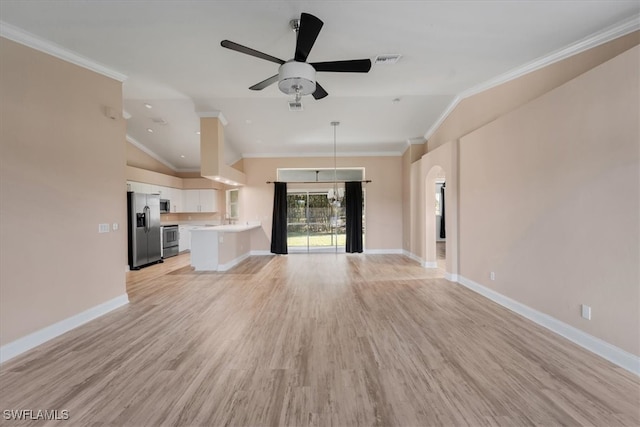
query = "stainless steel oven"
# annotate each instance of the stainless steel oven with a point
(170, 239)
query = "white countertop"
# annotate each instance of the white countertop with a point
(231, 228)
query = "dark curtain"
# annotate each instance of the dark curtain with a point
(443, 233)
(279, 224)
(353, 211)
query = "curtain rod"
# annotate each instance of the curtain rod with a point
(366, 181)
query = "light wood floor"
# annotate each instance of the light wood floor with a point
(320, 339)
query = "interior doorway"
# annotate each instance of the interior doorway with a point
(313, 225)
(441, 231)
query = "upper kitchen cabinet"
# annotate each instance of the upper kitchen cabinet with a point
(201, 200)
(139, 187)
(176, 199)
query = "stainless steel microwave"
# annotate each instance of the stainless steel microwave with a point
(165, 206)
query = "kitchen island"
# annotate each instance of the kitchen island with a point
(220, 247)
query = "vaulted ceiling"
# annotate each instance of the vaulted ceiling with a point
(171, 56)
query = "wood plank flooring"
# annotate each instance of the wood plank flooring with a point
(314, 339)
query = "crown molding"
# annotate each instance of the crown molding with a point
(434, 127)
(416, 141)
(23, 37)
(141, 147)
(615, 31)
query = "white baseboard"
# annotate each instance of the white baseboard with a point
(229, 265)
(383, 251)
(413, 256)
(616, 355)
(260, 253)
(451, 277)
(19, 346)
(423, 263)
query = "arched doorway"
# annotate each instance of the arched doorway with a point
(435, 210)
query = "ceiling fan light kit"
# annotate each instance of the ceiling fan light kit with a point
(296, 76)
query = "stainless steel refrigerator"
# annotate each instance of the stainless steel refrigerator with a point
(144, 229)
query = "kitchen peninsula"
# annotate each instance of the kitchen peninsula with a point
(220, 247)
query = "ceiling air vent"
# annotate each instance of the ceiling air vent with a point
(390, 58)
(159, 121)
(295, 106)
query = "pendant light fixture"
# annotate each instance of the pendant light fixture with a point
(335, 194)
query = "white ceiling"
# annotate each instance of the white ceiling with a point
(170, 52)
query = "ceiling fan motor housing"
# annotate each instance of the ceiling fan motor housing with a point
(297, 77)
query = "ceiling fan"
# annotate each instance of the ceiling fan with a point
(296, 76)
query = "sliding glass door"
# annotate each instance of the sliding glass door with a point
(313, 224)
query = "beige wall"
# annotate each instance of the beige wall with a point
(412, 154)
(406, 200)
(441, 163)
(549, 200)
(480, 109)
(234, 245)
(383, 213)
(62, 172)
(141, 160)
(152, 177)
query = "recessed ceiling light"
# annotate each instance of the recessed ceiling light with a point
(197, 132)
(149, 130)
(149, 106)
(182, 155)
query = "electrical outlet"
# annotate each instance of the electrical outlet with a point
(103, 228)
(492, 275)
(586, 312)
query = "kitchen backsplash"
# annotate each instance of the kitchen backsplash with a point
(194, 218)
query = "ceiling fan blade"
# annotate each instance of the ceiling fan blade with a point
(320, 92)
(259, 86)
(307, 34)
(248, 51)
(351, 66)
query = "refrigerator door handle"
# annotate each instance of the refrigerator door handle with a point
(147, 218)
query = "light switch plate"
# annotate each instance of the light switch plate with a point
(586, 312)
(103, 228)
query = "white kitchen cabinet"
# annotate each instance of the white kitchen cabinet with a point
(164, 192)
(191, 200)
(184, 241)
(201, 200)
(175, 196)
(208, 200)
(139, 187)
